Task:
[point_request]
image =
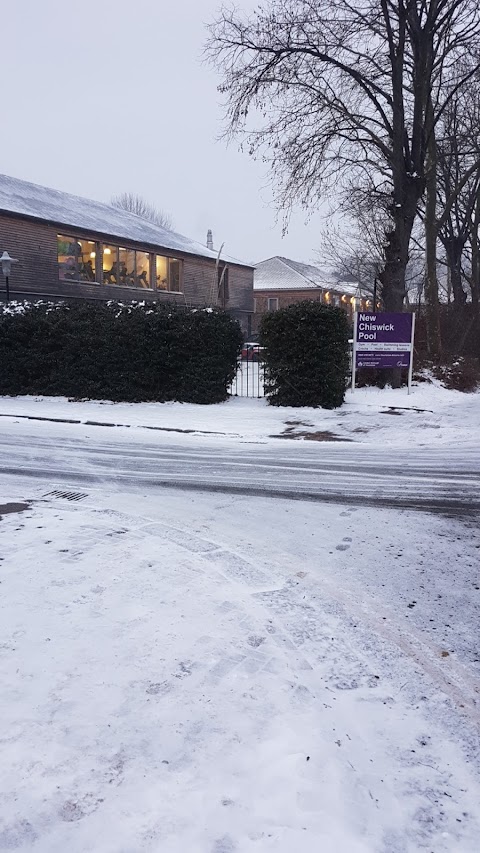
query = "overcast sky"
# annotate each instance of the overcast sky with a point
(104, 96)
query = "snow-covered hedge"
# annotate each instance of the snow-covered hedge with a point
(306, 355)
(117, 351)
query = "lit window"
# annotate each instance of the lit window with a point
(168, 274)
(76, 259)
(126, 267)
(79, 260)
(142, 269)
(272, 303)
(161, 272)
(111, 267)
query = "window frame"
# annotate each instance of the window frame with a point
(272, 299)
(180, 274)
(115, 262)
(168, 278)
(99, 245)
(74, 239)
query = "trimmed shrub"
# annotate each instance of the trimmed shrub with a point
(306, 355)
(114, 351)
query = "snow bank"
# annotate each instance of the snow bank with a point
(431, 415)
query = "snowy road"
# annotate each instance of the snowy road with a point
(427, 478)
(192, 662)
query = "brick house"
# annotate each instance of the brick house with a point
(279, 282)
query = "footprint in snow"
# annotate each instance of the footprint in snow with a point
(347, 512)
(159, 688)
(224, 845)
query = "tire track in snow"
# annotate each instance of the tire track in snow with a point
(451, 676)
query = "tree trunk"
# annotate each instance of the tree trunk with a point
(393, 288)
(431, 231)
(474, 239)
(393, 275)
(453, 250)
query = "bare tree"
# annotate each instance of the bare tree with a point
(434, 341)
(136, 204)
(324, 89)
(452, 173)
(458, 187)
(354, 250)
(474, 277)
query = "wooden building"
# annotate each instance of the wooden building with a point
(72, 247)
(279, 282)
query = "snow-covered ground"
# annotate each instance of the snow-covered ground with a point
(191, 672)
(214, 674)
(430, 415)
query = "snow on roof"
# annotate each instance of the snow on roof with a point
(284, 274)
(64, 209)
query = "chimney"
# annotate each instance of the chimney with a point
(209, 239)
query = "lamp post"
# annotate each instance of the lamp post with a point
(7, 262)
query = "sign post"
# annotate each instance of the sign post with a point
(354, 353)
(382, 340)
(410, 369)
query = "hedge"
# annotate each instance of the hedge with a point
(115, 351)
(306, 355)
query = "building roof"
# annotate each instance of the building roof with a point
(63, 209)
(284, 274)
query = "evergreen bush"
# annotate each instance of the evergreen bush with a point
(306, 355)
(116, 351)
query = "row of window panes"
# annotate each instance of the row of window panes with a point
(77, 260)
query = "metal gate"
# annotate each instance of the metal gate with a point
(250, 379)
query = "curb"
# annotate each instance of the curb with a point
(110, 424)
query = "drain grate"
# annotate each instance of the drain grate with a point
(68, 496)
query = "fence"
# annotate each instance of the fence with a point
(250, 379)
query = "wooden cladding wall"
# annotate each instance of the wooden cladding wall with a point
(200, 284)
(241, 288)
(36, 274)
(35, 246)
(199, 281)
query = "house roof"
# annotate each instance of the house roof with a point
(42, 203)
(280, 273)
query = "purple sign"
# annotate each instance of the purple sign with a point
(383, 340)
(383, 359)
